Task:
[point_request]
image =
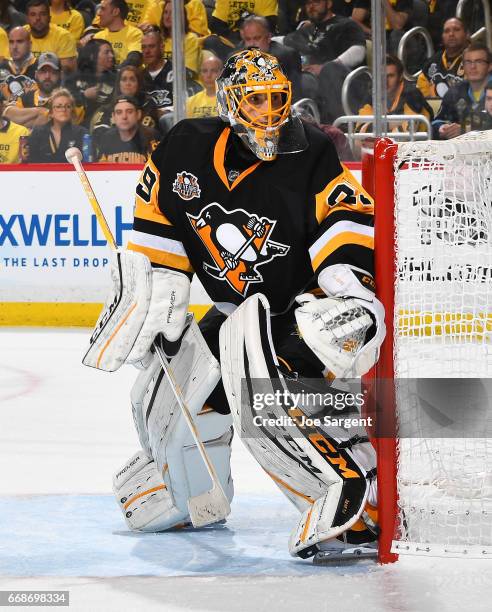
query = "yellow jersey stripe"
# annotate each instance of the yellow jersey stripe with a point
(340, 240)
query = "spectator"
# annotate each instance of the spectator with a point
(129, 83)
(125, 39)
(147, 12)
(48, 143)
(225, 20)
(196, 15)
(158, 73)
(127, 142)
(10, 17)
(445, 68)
(64, 16)
(17, 74)
(47, 37)
(30, 108)
(439, 12)
(204, 103)
(402, 98)
(4, 44)
(486, 115)
(290, 14)
(93, 84)
(9, 138)
(331, 46)
(463, 103)
(255, 32)
(192, 48)
(22, 60)
(400, 16)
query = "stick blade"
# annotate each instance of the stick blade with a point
(208, 507)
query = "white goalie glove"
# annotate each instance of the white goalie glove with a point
(143, 303)
(336, 327)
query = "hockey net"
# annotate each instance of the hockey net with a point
(433, 250)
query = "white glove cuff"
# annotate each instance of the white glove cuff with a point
(339, 280)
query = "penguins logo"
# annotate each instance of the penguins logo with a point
(12, 87)
(186, 186)
(238, 243)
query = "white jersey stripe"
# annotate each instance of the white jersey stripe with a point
(338, 228)
(157, 242)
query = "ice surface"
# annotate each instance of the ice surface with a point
(65, 428)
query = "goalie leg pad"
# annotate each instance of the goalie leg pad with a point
(142, 495)
(124, 313)
(312, 469)
(165, 436)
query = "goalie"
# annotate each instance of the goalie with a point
(280, 234)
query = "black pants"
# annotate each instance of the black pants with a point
(293, 354)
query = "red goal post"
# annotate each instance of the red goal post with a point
(433, 262)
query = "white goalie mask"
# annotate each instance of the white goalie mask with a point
(254, 96)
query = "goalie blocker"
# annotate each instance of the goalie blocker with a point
(329, 479)
(144, 302)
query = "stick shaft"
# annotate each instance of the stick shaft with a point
(187, 415)
(96, 207)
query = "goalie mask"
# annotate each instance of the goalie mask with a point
(254, 96)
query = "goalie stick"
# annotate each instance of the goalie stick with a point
(213, 505)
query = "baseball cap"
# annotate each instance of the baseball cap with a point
(49, 59)
(130, 99)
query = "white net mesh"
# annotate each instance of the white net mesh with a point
(443, 330)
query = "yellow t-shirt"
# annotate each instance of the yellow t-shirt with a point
(4, 44)
(57, 41)
(201, 105)
(231, 10)
(192, 51)
(197, 17)
(128, 39)
(144, 11)
(195, 11)
(72, 21)
(9, 142)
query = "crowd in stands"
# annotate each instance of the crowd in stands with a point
(99, 75)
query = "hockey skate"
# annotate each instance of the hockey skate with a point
(354, 545)
(335, 551)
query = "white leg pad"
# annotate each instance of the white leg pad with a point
(173, 460)
(142, 495)
(324, 479)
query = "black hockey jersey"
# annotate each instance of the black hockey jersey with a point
(204, 204)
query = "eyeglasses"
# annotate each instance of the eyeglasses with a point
(62, 107)
(478, 62)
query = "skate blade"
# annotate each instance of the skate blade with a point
(348, 556)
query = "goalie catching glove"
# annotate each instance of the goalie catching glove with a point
(345, 329)
(144, 302)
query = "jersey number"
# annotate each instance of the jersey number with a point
(343, 192)
(147, 182)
